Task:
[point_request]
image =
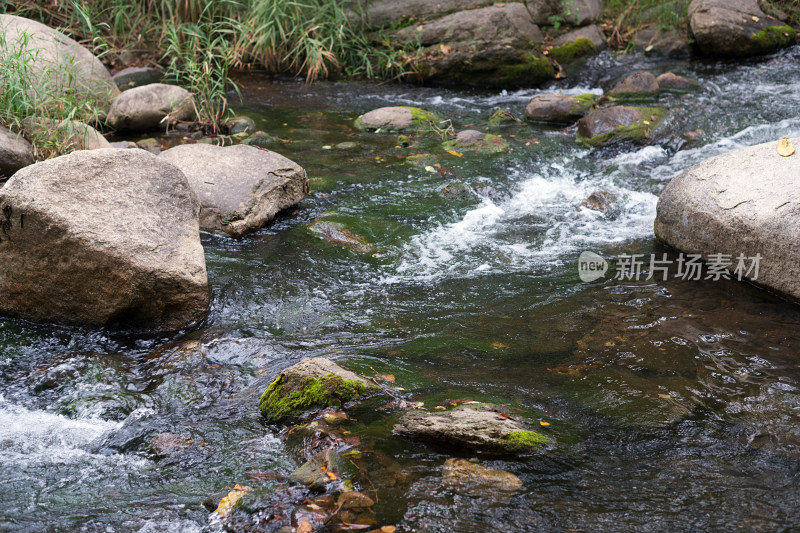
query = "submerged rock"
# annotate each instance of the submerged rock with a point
(132, 77)
(620, 123)
(470, 477)
(240, 124)
(672, 82)
(743, 202)
(398, 118)
(338, 234)
(479, 427)
(641, 84)
(477, 141)
(736, 28)
(502, 117)
(102, 237)
(314, 474)
(15, 153)
(314, 383)
(559, 108)
(260, 139)
(149, 107)
(241, 188)
(59, 63)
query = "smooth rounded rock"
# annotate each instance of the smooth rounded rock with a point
(15, 153)
(241, 188)
(149, 107)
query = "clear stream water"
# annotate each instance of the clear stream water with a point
(672, 405)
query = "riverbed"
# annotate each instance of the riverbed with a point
(672, 405)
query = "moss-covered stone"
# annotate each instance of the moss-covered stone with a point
(277, 403)
(583, 103)
(649, 119)
(491, 143)
(533, 70)
(524, 441)
(502, 117)
(399, 118)
(773, 38)
(496, 68)
(577, 49)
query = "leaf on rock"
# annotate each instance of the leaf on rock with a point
(785, 148)
(227, 503)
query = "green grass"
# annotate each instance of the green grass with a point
(786, 10)
(41, 104)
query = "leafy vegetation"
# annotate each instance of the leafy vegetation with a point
(630, 16)
(42, 103)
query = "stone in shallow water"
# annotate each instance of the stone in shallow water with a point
(338, 234)
(670, 81)
(743, 202)
(559, 108)
(470, 477)
(398, 118)
(619, 123)
(600, 201)
(313, 383)
(482, 427)
(639, 84)
(241, 188)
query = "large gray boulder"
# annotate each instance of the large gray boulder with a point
(386, 12)
(59, 63)
(581, 12)
(489, 46)
(149, 107)
(743, 202)
(241, 188)
(102, 237)
(15, 153)
(736, 28)
(509, 23)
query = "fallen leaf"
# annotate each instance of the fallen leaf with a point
(227, 503)
(785, 148)
(305, 527)
(646, 122)
(387, 377)
(499, 346)
(505, 415)
(665, 396)
(543, 423)
(755, 18)
(350, 526)
(430, 169)
(453, 152)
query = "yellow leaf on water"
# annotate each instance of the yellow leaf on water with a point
(387, 377)
(453, 152)
(785, 148)
(227, 503)
(543, 423)
(499, 346)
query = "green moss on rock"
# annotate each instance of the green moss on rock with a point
(567, 53)
(650, 119)
(533, 70)
(278, 404)
(773, 38)
(524, 441)
(583, 103)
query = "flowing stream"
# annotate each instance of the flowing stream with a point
(673, 405)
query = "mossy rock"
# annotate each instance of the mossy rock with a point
(480, 427)
(475, 141)
(337, 233)
(577, 49)
(498, 67)
(394, 119)
(311, 384)
(620, 123)
(503, 117)
(559, 108)
(773, 38)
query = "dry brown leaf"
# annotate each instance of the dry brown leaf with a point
(785, 148)
(387, 377)
(305, 527)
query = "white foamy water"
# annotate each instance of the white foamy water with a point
(540, 225)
